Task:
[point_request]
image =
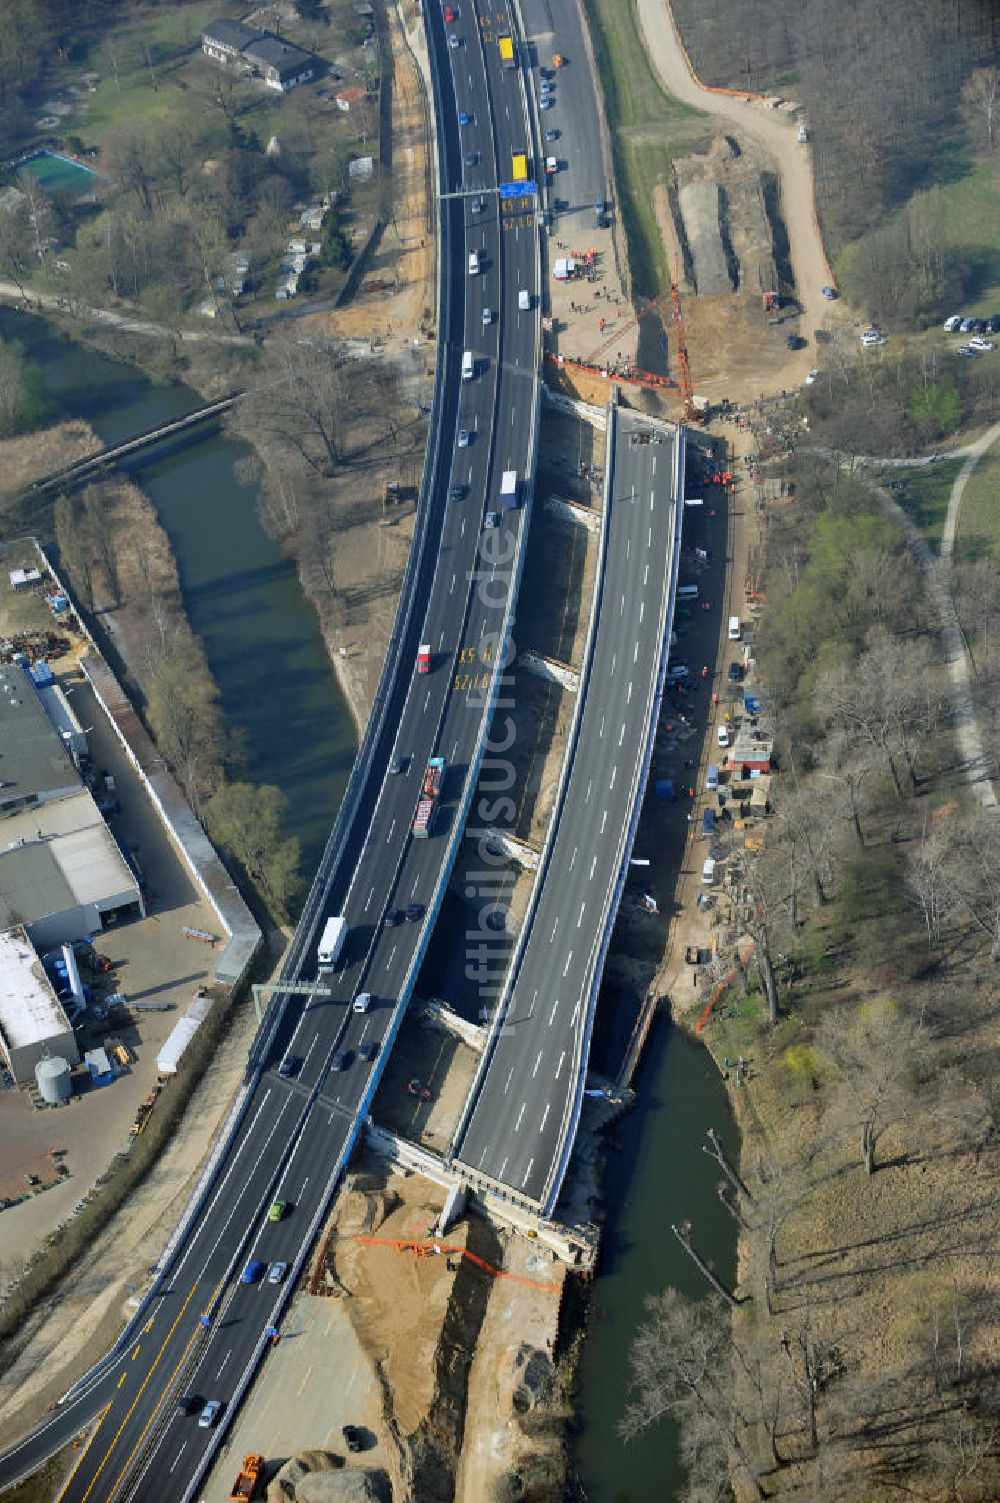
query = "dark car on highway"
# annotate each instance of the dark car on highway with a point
(344, 1060)
(415, 911)
(290, 1065)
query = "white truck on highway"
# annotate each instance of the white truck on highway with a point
(508, 490)
(332, 940)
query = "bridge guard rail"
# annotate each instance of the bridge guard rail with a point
(670, 594)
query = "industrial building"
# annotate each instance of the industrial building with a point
(35, 763)
(33, 1023)
(62, 875)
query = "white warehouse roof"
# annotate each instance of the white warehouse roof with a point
(30, 1011)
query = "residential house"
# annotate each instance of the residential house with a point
(280, 64)
(350, 98)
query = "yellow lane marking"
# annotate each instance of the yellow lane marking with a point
(135, 1401)
(121, 1380)
(305, 1380)
(104, 1414)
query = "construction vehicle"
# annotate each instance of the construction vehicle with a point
(430, 798)
(507, 59)
(245, 1485)
(519, 167)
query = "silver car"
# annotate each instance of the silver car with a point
(209, 1414)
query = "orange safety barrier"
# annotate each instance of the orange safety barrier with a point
(429, 1248)
(717, 993)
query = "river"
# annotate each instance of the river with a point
(277, 690)
(280, 696)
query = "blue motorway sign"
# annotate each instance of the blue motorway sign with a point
(518, 190)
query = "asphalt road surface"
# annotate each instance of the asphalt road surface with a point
(527, 1102)
(204, 1331)
(555, 26)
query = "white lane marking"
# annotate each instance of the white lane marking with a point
(502, 1168)
(621, 734)
(649, 540)
(583, 909)
(483, 1155)
(569, 959)
(451, 587)
(621, 608)
(573, 857)
(628, 697)
(427, 700)
(303, 1190)
(414, 887)
(510, 1077)
(440, 641)
(520, 1114)
(572, 1021)
(653, 467)
(645, 577)
(555, 926)
(552, 1014)
(548, 1108)
(635, 653)
(601, 731)
(614, 774)
(537, 1063)
(614, 659)
(454, 750)
(589, 786)
(642, 609)
(391, 954)
(651, 500)
(370, 896)
(177, 1458)
(562, 1056)
(513, 414)
(593, 868)
(527, 1173)
(604, 820)
(461, 532)
(391, 828)
(628, 546)
(224, 1361)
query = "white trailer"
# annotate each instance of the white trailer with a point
(508, 490)
(332, 940)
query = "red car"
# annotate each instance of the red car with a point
(449, 13)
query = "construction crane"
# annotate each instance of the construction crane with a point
(655, 304)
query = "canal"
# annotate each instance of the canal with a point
(278, 692)
(281, 698)
(659, 1176)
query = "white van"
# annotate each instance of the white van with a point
(524, 301)
(735, 629)
(362, 1002)
(473, 263)
(468, 366)
(687, 592)
(708, 871)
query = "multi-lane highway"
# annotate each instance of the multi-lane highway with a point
(524, 1117)
(204, 1331)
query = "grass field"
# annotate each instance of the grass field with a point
(978, 531)
(923, 495)
(648, 129)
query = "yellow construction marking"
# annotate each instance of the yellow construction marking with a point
(157, 1407)
(149, 1325)
(121, 1380)
(132, 1407)
(136, 1352)
(90, 1442)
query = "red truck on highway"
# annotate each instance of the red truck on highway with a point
(424, 658)
(430, 798)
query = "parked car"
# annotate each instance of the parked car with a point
(811, 378)
(953, 323)
(967, 325)
(735, 672)
(829, 293)
(979, 343)
(870, 338)
(352, 1437)
(966, 349)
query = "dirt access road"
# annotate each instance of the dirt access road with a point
(775, 132)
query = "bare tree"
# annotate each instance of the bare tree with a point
(877, 1052)
(981, 101)
(295, 410)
